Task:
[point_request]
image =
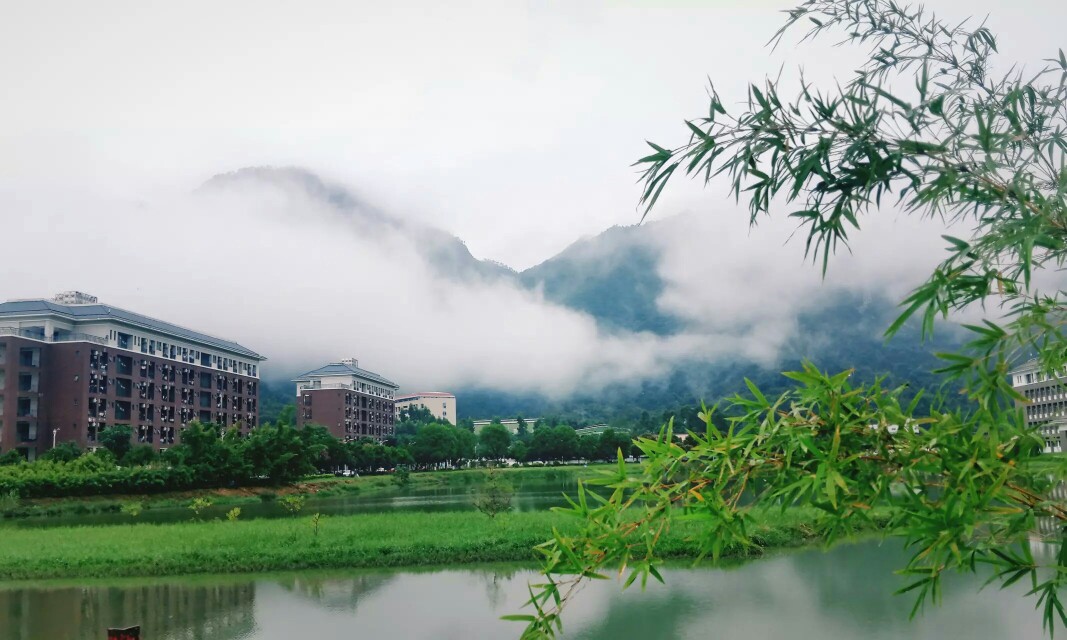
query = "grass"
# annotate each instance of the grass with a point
(361, 541)
(318, 486)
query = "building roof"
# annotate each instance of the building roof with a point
(90, 312)
(424, 394)
(1030, 365)
(343, 369)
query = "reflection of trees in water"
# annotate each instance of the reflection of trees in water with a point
(851, 585)
(495, 580)
(176, 611)
(1044, 541)
(342, 594)
(658, 614)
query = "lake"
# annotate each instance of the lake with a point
(842, 594)
(533, 492)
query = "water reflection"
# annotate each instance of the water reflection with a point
(533, 494)
(843, 594)
(181, 611)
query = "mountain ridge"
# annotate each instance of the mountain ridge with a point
(613, 277)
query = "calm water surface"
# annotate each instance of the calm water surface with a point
(845, 593)
(531, 494)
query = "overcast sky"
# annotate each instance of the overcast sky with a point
(511, 125)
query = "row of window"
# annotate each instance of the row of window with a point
(1045, 393)
(354, 432)
(161, 348)
(364, 416)
(99, 383)
(146, 411)
(1037, 376)
(1049, 410)
(362, 387)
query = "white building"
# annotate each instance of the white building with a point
(1046, 405)
(512, 424)
(440, 404)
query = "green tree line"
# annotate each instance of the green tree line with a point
(210, 457)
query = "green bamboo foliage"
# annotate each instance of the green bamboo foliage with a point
(923, 126)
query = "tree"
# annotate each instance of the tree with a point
(118, 439)
(212, 456)
(282, 453)
(589, 448)
(287, 416)
(493, 441)
(610, 442)
(964, 485)
(63, 452)
(335, 455)
(553, 444)
(466, 444)
(518, 451)
(434, 444)
(494, 496)
(140, 456)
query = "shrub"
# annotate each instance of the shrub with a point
(293, 504)
(198, 505)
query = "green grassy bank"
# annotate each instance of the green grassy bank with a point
(323, 487)
(378, 540)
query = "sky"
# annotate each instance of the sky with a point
(512, 125)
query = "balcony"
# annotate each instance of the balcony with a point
(124, 365)
(25, 432)
(28, 382)
(29, 357)
(38, 335)
(27, 408)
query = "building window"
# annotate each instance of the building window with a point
(124, 365)
(26, 431)
(28, 382)
(205, 380)
(26, 408)
(29, 357)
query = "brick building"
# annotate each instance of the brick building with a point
(351, 402)
(69, 367)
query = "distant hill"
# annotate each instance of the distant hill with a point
(843, 334)
(614, 278)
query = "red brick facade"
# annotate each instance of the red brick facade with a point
(78, 388)
(348, 414)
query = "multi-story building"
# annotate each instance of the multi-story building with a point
(512, 424)
(1046, 405)
(441, 405)
(70, 366)
(351, 402)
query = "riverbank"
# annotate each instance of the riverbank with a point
(363, 541)
(323, 487)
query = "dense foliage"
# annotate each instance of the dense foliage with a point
(209, 457)
(966, 485)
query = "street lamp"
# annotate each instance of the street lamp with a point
(55, 432)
